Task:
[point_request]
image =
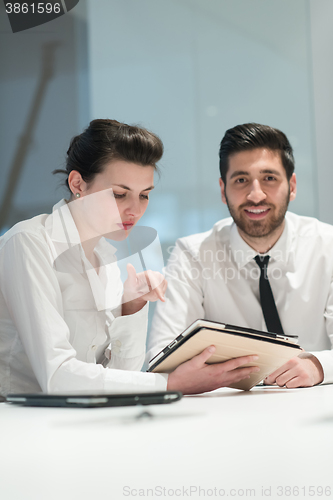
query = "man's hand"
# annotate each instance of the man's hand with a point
(195, 376)
(304, 370)
(141, 288)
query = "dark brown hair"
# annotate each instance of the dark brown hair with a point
(108, 140)
(252, 136)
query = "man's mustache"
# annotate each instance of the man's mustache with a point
(252, 205)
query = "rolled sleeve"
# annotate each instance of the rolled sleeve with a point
(129, 381)
(128, 341)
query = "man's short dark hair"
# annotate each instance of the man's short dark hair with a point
(252, 136)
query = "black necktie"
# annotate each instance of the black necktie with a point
(268, 306)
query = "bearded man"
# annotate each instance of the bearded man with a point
(218, 275)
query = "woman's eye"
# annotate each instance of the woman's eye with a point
(118, 196)
(144, 196)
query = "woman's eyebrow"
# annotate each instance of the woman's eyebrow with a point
(129, 189)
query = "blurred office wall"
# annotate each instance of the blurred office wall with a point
(190, 69)
(321, 36)
(59, 49)
(186, 69)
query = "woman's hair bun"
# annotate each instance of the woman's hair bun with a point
(109, 140)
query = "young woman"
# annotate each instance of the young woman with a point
(66, 321)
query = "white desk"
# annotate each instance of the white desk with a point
(229, 440)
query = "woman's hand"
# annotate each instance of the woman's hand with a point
(139, 288)
(196, 376)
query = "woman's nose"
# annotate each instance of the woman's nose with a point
(133, 208)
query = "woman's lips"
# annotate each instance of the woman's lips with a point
(256, 213)
(126, 225)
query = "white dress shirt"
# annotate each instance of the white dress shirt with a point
(61, 327)
(213, 275)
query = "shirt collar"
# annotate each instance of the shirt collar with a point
(65, 237)
(63, 232)
(65, 245)
(69, 257)
(63, 226)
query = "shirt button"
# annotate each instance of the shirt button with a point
(93, 347)
(118, 343)
(115, 349)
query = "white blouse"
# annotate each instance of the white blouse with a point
(60, 322)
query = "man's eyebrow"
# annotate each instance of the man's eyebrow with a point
(129, 189)
(264, 171)
(238, 172)
(270, 171)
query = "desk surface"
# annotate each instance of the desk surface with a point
(228, 443)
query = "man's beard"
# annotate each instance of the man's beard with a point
(258, 228)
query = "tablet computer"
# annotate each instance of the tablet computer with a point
(231, 342)
(82, 400)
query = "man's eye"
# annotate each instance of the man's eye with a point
(241, 180)
(270, 178)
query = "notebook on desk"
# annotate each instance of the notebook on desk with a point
(231, 342)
